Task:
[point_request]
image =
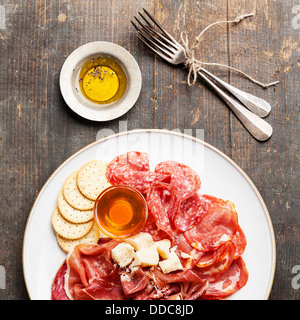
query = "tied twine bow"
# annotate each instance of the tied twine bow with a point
(195, 65)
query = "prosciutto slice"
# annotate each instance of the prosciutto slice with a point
(132, 169)
(91, 274)
(58, 286)
(134, 283)
(189, 275)
(217, 227)
(191, 284)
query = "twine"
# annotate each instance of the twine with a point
(195, 65)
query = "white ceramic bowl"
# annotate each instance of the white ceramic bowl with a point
(69, 81)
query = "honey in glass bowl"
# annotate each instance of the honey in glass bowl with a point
(120, 211)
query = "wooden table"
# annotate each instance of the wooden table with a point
(38, 131)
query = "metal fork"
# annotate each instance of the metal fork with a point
(164, 44)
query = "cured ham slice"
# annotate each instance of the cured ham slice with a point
(152, 292)
(189, 275)
(58, 286)
(134, 283)
(228, 283)
(182, 177)
(221, 261)
(213, 256)
(193, 290)
(132, 169)
(191, 283)
(106, 287)
(217, 227)
(91, 274)
(240, 242)
(188, 255)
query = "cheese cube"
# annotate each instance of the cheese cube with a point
(146, 257)
(163, 248)
(140, 240)
(171, 264)
(123, 254)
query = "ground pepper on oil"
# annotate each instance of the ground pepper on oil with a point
(102, 80)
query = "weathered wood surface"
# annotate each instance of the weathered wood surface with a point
(38, 131)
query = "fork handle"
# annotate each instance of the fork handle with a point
(255, 104)
(258, 127)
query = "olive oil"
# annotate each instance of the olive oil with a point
(102, 80)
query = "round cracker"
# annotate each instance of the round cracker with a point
(71, 214)
(73, 196)
(67, 229)
(91, 237)
(91, 178)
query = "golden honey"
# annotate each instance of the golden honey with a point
(120, 211)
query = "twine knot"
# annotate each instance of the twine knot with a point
(195, 65)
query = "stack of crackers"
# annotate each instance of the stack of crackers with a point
(73, 217)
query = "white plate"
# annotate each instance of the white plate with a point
(220, 177)
(71, 91)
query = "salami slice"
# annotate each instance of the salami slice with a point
(228, 283)
(182, 177)
(132, 169)
(151, 227)
(190, 212)
(216, 228)
(163, 205)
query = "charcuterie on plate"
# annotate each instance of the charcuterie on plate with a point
(190, 246)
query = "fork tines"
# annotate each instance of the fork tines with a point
(162, 43)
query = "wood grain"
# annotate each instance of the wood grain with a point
(38, 131)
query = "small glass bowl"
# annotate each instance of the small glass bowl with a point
(128, 197)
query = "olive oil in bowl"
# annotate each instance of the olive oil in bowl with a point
(102, 80)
